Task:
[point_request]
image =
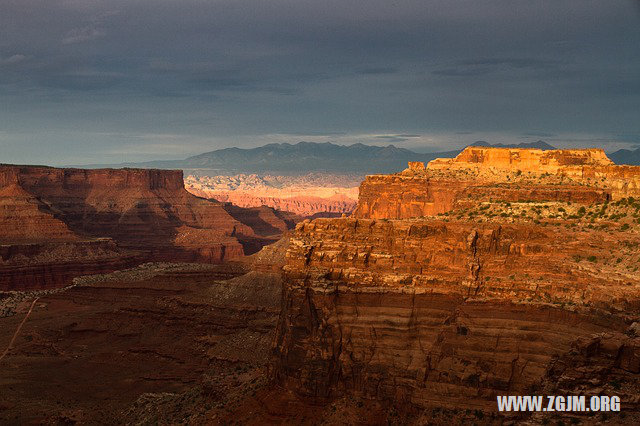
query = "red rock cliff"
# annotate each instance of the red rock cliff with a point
(524, 281)
(147, 211)
(444, 314)
(486, 174)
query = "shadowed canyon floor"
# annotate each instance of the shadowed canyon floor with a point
(88, 352)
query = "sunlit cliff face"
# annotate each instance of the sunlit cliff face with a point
(451, 285)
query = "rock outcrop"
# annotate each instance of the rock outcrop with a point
(54, 264)
(141, 210)
(431, 312)
(450, 310)
(486, 174)
(525, 160)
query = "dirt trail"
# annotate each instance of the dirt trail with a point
(15, 335)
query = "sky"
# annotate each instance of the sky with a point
(106, 81)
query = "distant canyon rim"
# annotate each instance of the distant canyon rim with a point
(306, 195)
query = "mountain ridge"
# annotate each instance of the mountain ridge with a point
(626, 156)
(327, 157)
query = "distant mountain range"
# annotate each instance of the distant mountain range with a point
(626, 156)
(308, 157)
(285, 158)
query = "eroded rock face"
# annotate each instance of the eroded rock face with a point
(54, 264)
(432, 312)
(486, 174)
(141, 208)
(399, 304)
(143, 211)
(526, 160)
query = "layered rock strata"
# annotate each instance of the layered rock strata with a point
(435, 313)
(516, 286)
(141, 210)
(485, 174)
(54, 264)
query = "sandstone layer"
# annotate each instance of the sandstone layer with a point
(450, 287)
(55, 264)
(486, 174)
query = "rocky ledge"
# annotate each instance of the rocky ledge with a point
(486, 174)
(497, 295)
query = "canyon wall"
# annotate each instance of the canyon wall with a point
(146, 212)
(405, 196)
(484, 174)
(135, 207)
(54, 264)
(441, 314)
(449, 287)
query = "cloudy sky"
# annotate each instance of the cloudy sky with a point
(85, 81)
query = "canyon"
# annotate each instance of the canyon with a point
(498, 272)
(307, 195)
(58, 223)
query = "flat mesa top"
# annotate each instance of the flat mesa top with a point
(526, 158)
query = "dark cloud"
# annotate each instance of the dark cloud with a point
(378, 70)
(482, 66)
(392, 138)
(628, 137)
(236, 70)
(539, 134)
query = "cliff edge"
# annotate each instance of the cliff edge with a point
(452, 285)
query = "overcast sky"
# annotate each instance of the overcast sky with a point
(86, 81)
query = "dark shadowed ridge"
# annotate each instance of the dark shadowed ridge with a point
(626, 156)
(285, 158)
(305, 157)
